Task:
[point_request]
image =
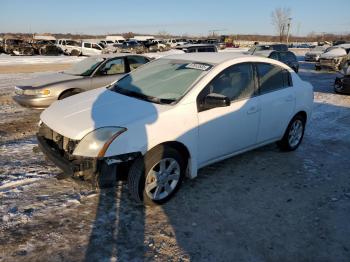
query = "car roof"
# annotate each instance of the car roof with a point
(195, 45)
(207, 57)
(108, 56)
(266, 53)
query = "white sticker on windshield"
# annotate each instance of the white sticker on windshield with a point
(198, 66)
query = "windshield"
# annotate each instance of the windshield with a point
(161, 81)
(84, 67)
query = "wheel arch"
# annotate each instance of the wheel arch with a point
(184, 152)
(73, 90)
(303, 114)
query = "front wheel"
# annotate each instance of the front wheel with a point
(155, 178)
(293, 135)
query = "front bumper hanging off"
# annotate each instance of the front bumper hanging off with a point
(59, 150)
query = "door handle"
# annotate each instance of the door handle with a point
(252, 110)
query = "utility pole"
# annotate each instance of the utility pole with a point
(288, 28)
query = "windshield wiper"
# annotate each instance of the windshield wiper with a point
(143, 96)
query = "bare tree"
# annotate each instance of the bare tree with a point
(280, 18)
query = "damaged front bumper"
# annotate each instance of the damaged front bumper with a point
(330, 63)
(59, 149)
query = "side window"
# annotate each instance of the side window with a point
(136, 61)
(95, 46)
(112, 67)
(87, 45)
(271, 78)
(235, 82)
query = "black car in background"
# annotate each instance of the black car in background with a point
(196, 48)
(286, 57)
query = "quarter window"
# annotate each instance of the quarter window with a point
(272, 78)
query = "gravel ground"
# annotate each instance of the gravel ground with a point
(264, 205)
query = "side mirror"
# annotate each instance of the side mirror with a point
(214, 100)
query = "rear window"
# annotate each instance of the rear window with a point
(272, 78)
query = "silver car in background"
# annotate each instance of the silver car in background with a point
(90, 73)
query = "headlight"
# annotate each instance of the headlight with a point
(96, 143)
(35, 92)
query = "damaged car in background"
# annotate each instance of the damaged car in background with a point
(314, 54)
(46, 47)
(334, 58)
(156, 124)
(342, 84)
(17, 46)
(90, 73)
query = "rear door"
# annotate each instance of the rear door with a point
(277, 101)
(110, 71)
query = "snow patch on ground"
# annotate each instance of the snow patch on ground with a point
(30, 60)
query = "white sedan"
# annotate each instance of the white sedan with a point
(172, 116)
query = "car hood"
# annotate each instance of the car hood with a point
(76, 116)
(338, 52)
(49, 79)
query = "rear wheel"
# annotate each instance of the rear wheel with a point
(294, 134)
(155, 178)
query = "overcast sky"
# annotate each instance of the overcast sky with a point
(175, 16)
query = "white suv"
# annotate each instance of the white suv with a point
(173, 116)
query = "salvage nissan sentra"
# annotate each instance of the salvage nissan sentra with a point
(173, 116)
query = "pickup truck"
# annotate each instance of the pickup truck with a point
(77, 48)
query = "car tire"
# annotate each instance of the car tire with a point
(337, 85)
(143, 176)
(294, 134)
(75, 52)
(67, 94)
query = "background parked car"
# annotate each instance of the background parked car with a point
(285, 57)
(132, 47)
(276, 47)
(342, 84)
(334, 57)
(314, 54)
(90, 73)
(67, 45)
(16, 46)
(197, 48)
(46, 47)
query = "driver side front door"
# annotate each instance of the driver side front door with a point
(225, 130)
